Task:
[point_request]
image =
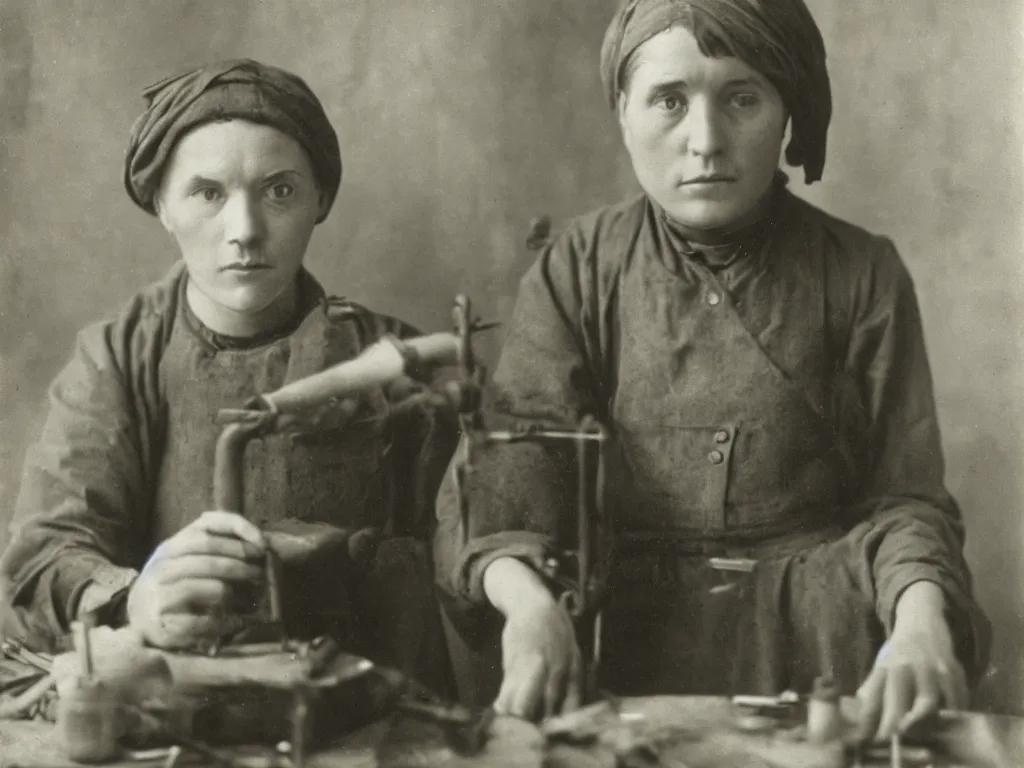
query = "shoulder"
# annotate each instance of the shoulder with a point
(606, 233)
(140, 329)
(591, 249)
(854, 251)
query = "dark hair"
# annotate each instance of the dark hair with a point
(712, 40)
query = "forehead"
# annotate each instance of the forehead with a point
(675, 55)
(236, 146)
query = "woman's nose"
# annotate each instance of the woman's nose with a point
(243, 221)
(704, 130)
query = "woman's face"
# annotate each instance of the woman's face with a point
(241, 201)
(704, 134)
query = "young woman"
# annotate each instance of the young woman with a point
(761, 368)
(239, 163)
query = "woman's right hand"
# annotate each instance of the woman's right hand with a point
(200, 584)
(540, 658)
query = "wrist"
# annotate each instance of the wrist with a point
(922, 605)
(514, 588)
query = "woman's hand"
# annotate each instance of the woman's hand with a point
(200, 584)
(540, 658)
(916, 672)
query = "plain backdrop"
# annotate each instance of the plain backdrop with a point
(460, 120)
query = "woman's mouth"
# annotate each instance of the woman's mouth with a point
(709, 179)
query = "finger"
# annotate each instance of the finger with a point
(209, 567)
(231, 524)
(183, 630)
(555, 689)
(927, 698)
(870, 697)
(528, 698)
(503, 702)
(197, 541)
(952, 682)
(900, 689)
(195, 596)
(574, 687)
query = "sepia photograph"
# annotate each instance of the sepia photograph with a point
(554, 383)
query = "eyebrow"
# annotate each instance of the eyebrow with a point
(283, 173)
(201, 181)
(680, 83)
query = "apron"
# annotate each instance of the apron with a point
(339, 474)
(718, 452)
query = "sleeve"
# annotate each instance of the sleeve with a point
(78, 522)
(914, 530)
(518, 495)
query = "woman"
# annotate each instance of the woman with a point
(239, 162)
(761, 368)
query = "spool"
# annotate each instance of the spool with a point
(824, 723)
(88, 715)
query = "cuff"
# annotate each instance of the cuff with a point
(105, 583)
(531, 548)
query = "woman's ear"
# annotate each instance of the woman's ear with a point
(161, 213)
(620, 109)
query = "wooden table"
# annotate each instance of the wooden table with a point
(514, 744)
(969, 739)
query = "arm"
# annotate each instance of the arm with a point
(912, 536)
(521, 495)
(915, 531)
(80, 515)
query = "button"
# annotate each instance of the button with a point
(713, 299)
(716, 457)
(721, 437)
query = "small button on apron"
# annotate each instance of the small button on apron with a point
(713, 299)
(721, 437)
(716, 457)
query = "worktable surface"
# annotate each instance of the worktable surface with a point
(30, 744)
(973, 739)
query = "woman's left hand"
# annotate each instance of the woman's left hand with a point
(915, 674)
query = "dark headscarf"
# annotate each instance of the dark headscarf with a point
(778, 38)
(241, 89)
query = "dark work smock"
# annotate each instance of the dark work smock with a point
(126, 461)
(777, 408)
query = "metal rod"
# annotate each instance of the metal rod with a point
(528, 435)
(228, 469)
(272, 566)
(582, 526)
(81, 633)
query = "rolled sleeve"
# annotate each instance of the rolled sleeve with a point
(533, 549)
(915, 530)
(520, 497)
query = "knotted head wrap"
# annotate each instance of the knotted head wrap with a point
(778, 38)
(240, 89)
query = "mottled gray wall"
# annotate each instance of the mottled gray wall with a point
(462, 119)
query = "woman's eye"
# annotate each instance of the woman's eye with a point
(744, 100)
(669, 103)
(282, 191)
(209, 194)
